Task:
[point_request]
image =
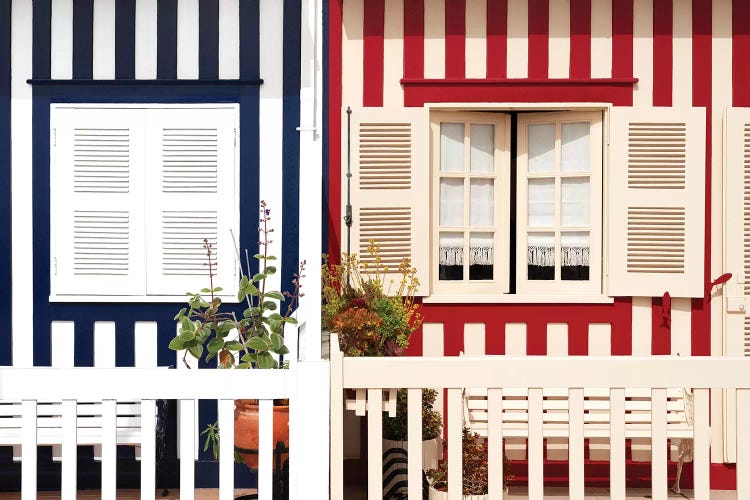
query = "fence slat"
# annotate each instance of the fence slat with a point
(361, 403)
(743, 443)
(374, 443)
(455, 443)
(659, 444)
(701, 445)
(109, 449)
(265, 449)
(148, 449)
(28, 449)
(617, 444)
(536, 444)
(495, 443)
(187, 448)
(575, 442)
(69, 451)
(337, 420)
(414, 426)
(226, 451)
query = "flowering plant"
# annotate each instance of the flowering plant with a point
(372, 317)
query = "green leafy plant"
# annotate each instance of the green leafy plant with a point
(396, 428)
(371, 316)
(475, 467)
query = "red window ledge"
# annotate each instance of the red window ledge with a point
(618, 91)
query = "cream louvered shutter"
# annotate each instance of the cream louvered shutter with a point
(390, 188)
(656, 201)
(96, 196)
(191, 196)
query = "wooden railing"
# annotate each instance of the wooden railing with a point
(493, 374)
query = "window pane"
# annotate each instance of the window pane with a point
(576, 151)
(451, 202)
(541, 256)
(482, 256)
(576, 200)
(542, 147)
(481, 202)
(451, 147)
(482, 147)
(451, 258)
(575, 256)
(541, 202)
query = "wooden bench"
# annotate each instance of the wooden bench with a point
(596, 418)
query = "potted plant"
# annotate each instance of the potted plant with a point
(395, 442)
(475, 467)
(246, 339)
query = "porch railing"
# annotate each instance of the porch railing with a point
(370, 376)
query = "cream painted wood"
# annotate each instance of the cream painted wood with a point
(645, 203)
(701, 444)
(743, 444)
(474, 339)
(226, 453)
(374, 444)
(536, 445)
(69, 467)
(658, 442)
(433, 340)
(148, 449)
(557, 345)
(103, 45)
(592, 286)
(518, 39)
(575, 463)
(601, 39)
(643, 45)
(434, 40)
(393, 54)
(109, 449)
(515, 345)
(188, 43)
(617, 443)
(390, 207)
(600, 344)
(61, 39)
(265, 449)
(682, 53)
(360, 403)
(495, 440)
(337, 420)
(476, 39)
(187, 452)
(145, 39)
(229, 39)
(455, 443)
(559, 39)
(352, 54)
(28, 448)
(414, 425)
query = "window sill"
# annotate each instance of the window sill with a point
(133, 299)
(518, 299)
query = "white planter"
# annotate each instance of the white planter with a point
(443, 495)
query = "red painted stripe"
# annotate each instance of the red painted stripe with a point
(740, 51)
(661, 334)
(663, 53)
(335, 10)
(497, 38)
(414, 38)
(622, 327)
(538, 38)
(701, 310)
(455, 38)
(622, 38)
(580, 38)
(374, 25)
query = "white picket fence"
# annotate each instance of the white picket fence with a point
(29, 420)
(371, 378)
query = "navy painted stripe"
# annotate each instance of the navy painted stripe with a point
(5, 202)
(208, 37)
(42, 25)
(249, 39)
(124, 39)
(290, 141)
(166, 39)
(83, 38)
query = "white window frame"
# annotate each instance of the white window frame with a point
(229, 293)
(596, 294)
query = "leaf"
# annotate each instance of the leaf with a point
(243, 366)
(259, 256)
(186, 324)
(187, 335)
(226, 359)
(271, 306)
(270, 270)
(215, 345)
(265, 360)
(210, 357)
(291, 320)
(271, 257)
(275, 295)
(218, 289)
(244, 281)
(249, 357)
(257, 343)
(196, 350)
(250, 289)
(181, 313)
(241, 295)
(277, 341)
(205, 290)
(284, 350)
(177, 344)
(259, 277)
(233, 345)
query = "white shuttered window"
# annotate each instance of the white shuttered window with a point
(135, 191)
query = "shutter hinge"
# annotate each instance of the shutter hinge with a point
(54, 137)
(55, 266)
(235, 137)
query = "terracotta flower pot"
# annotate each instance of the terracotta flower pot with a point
(246, 429)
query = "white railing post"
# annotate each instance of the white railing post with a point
(659, 444)
(69, 466)
(536, 444)
(337, 420)
(575, 442)
(226, 450)
(455, 444)
(186, 440)
(701, 445)
(28, 449)
(743, 443)
(374, 443)
(617, 443)
(148, 449)
(414, 426)
(109, 449)
(495, 478)
(265, 449)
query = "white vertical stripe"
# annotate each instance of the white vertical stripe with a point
(559, 39)
(22, 251)
(229, 39)
(28, 441)
(643, 48)
(271, 119)
(518, 39)
(63, 338)
(145, 39)
(352, 54)
(721, 98)
(600, 339)
(476, 39)
(109, 449)
(187, 39)
(515, 339)
(148, 449)
(641, 326)
(104, 344)
(145, 344)
(433, 344)
(601, 39)
(474, 335)
(104, 39)
(557, 339)
(682, 57)
(434, 39)
(681, 326)
(61, 39)
(68, 473)
(393, 54)
(226, 453)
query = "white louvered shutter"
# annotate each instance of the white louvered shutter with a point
(96, 200)
(191, 195)
(390, 188)
(657, 201)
